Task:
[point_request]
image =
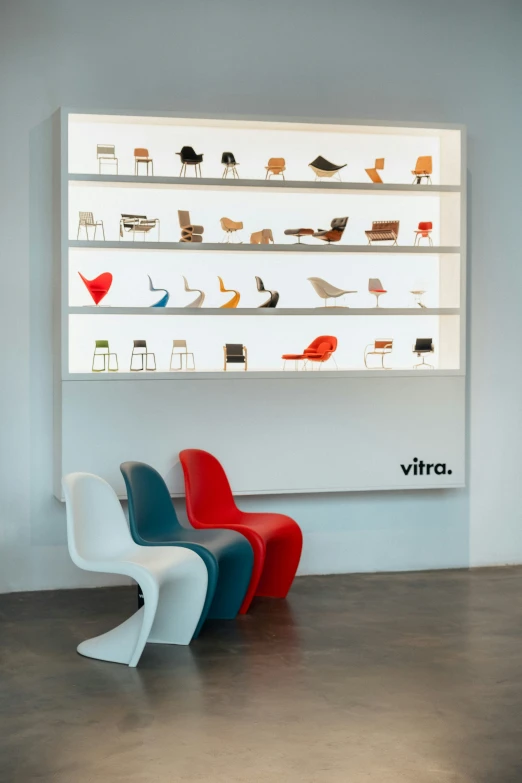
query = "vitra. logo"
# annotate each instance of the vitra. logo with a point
(421, 468)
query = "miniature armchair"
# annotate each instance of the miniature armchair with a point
(230, 227)
(422, 347)
(379, 348)
(86, 221)
(334, 233)
(138, 224)
(235, 353)
(189, 157)
(383, 231)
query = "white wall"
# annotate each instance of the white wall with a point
(456, 62)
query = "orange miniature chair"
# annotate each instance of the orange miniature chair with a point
(141, 155)
(423, 168)
(275, 167)
(235, 299)
(320, 350)
(374, 173)
(424, 232)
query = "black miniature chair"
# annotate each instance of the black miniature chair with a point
(229, 162)
(272, 300)
(189, 158)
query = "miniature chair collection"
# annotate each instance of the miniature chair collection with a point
(212, 569)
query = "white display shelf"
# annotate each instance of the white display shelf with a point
(301, 186)
(279, 374)
(265, 312)
(139, 244)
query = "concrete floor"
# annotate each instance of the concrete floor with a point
(407, 678)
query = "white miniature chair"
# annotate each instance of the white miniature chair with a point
(326, 290)
(173, 579)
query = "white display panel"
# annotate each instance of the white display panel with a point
(126, 312)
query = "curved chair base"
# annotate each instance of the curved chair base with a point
(198, 301)
(232, 303)
(118, 645)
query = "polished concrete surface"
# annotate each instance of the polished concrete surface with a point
(405, 678)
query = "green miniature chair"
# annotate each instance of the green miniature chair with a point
(102, 351)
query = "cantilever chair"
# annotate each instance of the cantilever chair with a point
(198, 301)
(189, 157)
(275, 538)
(174, 582)
(141, 155)
(230, 163)
(99, 286)
(423, 169)
(138, 224)
(189, 233)
(230, 227)
(374, 173)
(375, 288)
(102, 351)
(235, 353)
(423, 346)
(263, 237)
(325, 169)
(275, 167)
(272, 300)
(334, 233)
(424, 232)
(162, 302)
(153, 522)
(86, 221)
(383, 231)
(378, 348)
(180, 351)
(139, 349)
(326, 290)
(106, 154)
(232, 303)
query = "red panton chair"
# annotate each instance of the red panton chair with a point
(321, 349)
(276, 539)
(99, 287)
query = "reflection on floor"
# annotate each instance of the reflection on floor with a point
(405, 678)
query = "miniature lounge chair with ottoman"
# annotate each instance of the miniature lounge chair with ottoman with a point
(275, 538)
(153, 523)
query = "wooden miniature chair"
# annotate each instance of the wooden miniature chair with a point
(374, 173)
(378, 348)
(276, 166)
(423, 168)
(141, 155)
(235, 353)
(383, 231)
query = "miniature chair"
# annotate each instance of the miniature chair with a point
(326, 290)
(299, 232)
(189, 157)
(423, 168)
(263, 237)
(275, 167)
(417, 295)
(102, 351)
(375, 288)
(162, 302)
(374, 173)
(189, 233)
(423, 346)
(106, 154)
(143, 353)
(230, 227)
(229, 162)
(99, 286)
(174, 582)
(138, 224)
(232, 303)
(198, 301)
(334, 233)
(153, 522)
(87, 221)
(424, 232)
(235, 353)
(378, 348)
(272, 300)
(141, 155)
(180, 351)
(321, 350)
(383, 231)
(324, 168)
(275, 538)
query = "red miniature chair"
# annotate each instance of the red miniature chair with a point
(99, 287)
(423, 232)
(320, 350)
(276, 539)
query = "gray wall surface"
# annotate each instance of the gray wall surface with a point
(450, 61)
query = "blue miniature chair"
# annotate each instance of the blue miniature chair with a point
(228, 556)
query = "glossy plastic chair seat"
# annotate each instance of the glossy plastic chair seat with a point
(275, 538)
(153, 522)
(173, 581)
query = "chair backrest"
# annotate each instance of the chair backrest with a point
(276, 163)
(379, 163)
(424, 344)
(141, 152)
(129, 218)
(234, 349)
(386, 225)
(222, 287)
(179, 343)
(96, 525)
(228, 225)
(339, 223)
(87, 218)
(184, 218)
(151, 513)
(260, 284)
(425, 226)
(208, 495)
(140, 344)
(374, 284)
(324, 165)
(328, 340)
(424, 164)
(105, 149)
(228, 158)
(102, 344)
(381, 344)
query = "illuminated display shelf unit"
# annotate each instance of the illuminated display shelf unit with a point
(391, 414)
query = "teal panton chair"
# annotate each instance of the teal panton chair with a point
(227, 555)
